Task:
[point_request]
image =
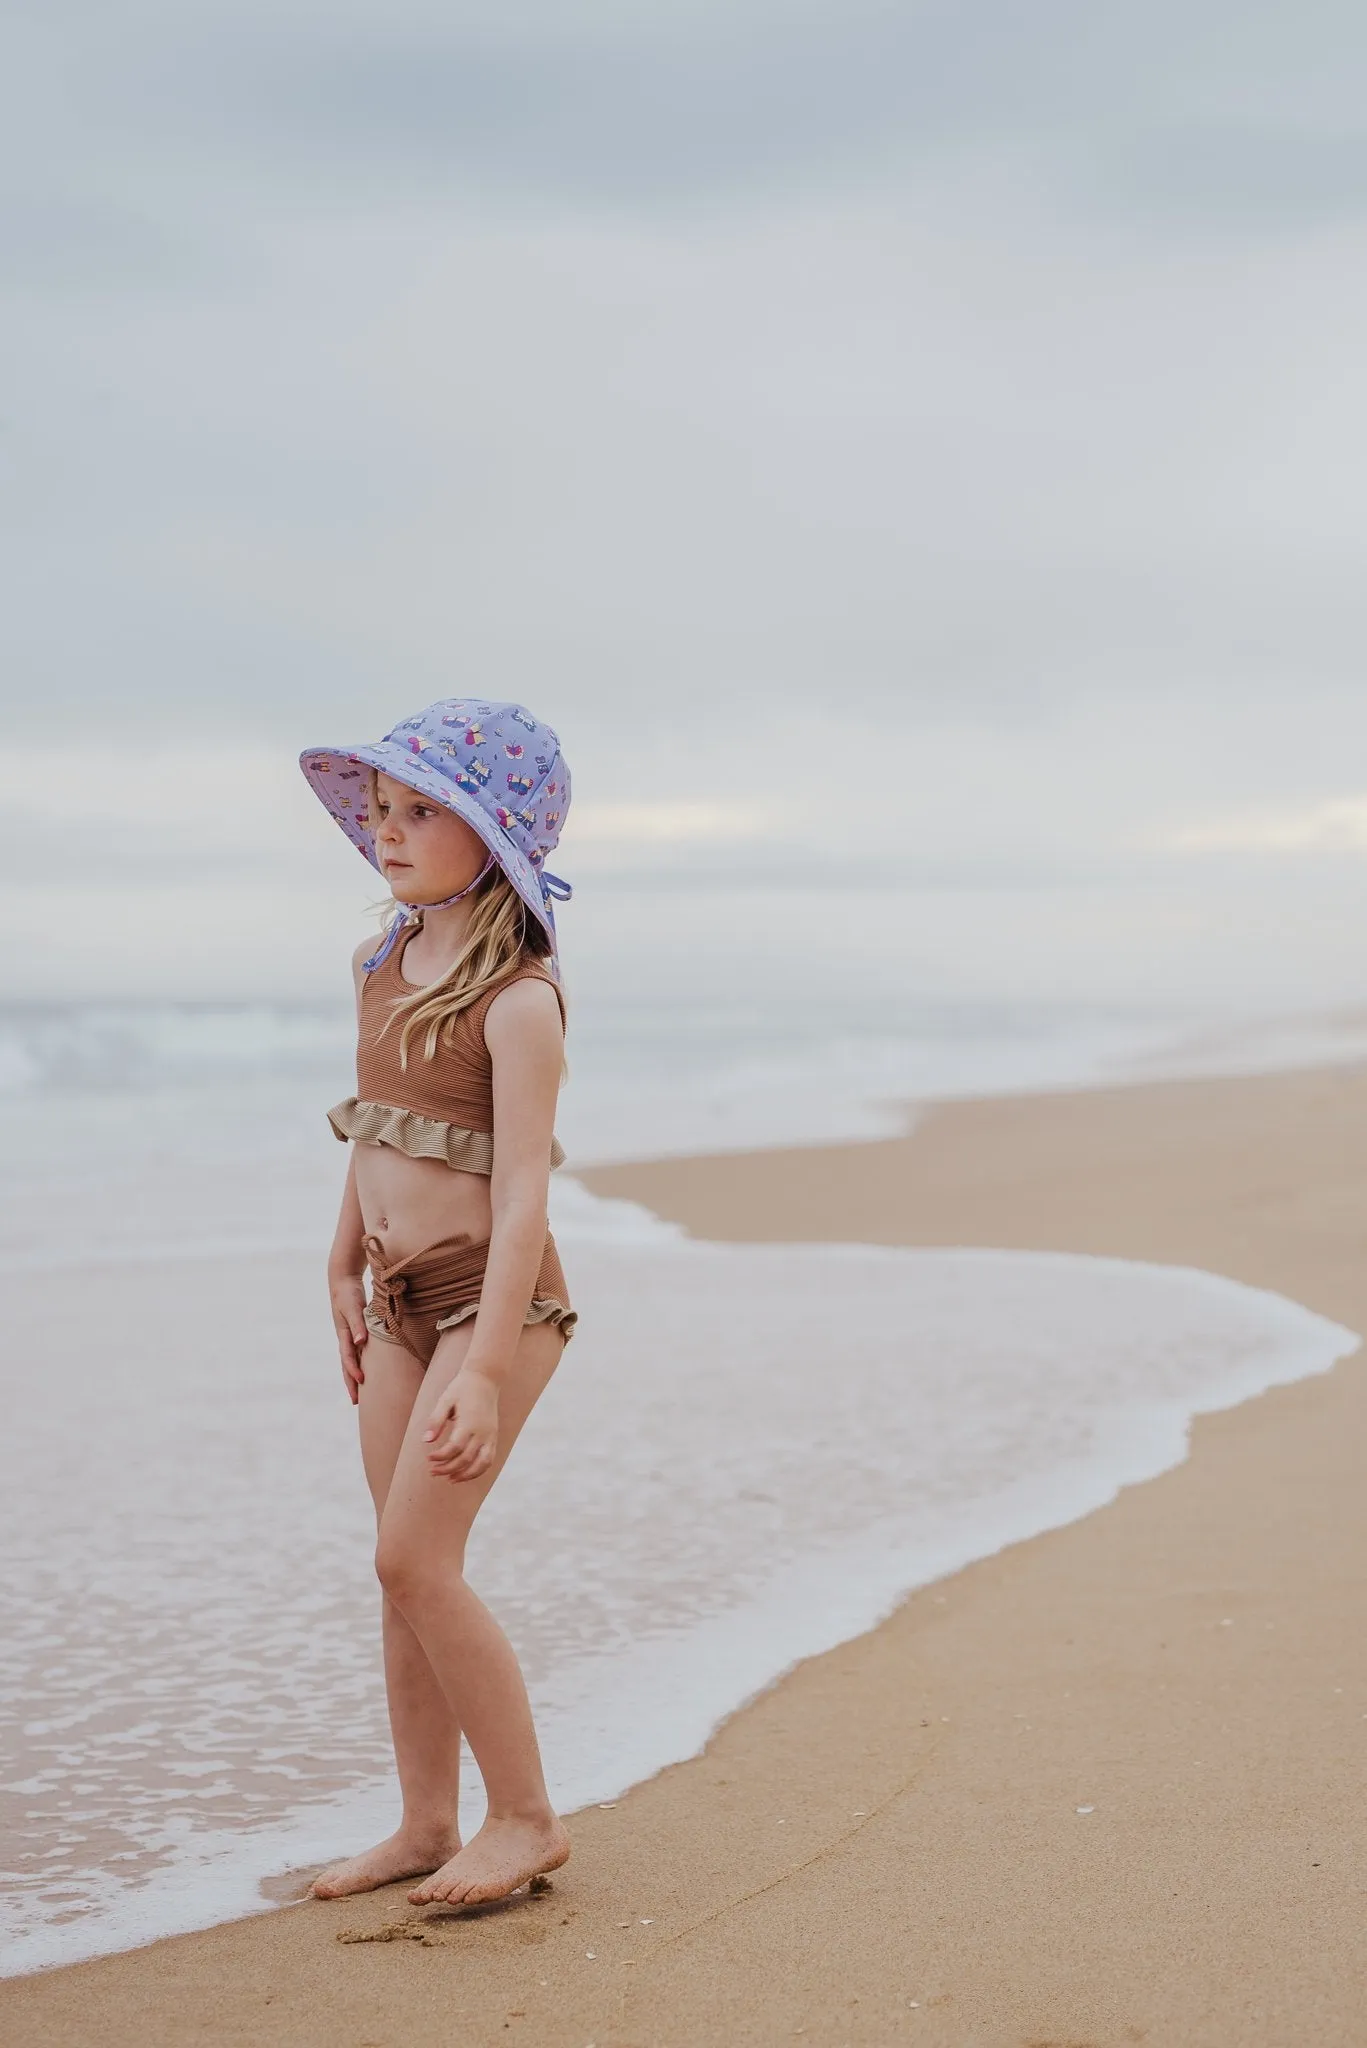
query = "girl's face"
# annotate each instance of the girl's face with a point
(426, 852)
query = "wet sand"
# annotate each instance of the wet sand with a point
(1105, 1787)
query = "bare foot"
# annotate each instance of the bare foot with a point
(503, 1855)
(403, 1855)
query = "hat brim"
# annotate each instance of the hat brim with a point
(335, 776)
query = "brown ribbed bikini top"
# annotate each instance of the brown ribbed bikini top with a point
(456, 1086)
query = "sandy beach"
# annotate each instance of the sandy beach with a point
(1102, 1788)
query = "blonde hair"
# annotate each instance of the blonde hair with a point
(501, 933)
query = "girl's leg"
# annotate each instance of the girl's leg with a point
(425, 1731)
(420, 1560)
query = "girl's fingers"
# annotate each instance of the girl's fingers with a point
(352, 1332)
(455, 1453)
(475, 1459)
(445, 1456)
(474, 1470)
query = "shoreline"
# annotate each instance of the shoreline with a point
(1258, 1178)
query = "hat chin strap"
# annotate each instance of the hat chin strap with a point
(407, 914)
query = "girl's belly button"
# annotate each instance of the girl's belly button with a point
(384, 1223)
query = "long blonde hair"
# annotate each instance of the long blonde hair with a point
(502, 932)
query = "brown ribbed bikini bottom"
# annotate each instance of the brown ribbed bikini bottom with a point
(413, 1300)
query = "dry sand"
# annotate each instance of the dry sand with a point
(888, 1847)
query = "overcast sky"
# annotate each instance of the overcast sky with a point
(915, 444)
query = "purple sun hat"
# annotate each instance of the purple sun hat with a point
(493, 764)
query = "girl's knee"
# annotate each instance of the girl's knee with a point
(399, 1568)
(410, 1571)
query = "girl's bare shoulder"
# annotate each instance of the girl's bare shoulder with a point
(523, 1012)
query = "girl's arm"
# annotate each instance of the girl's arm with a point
(346, 1285)
(526, 1042)
(346, 1260)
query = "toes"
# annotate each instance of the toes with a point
(483, 1891)
(440, 1892)
(462, 1889)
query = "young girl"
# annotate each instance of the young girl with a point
(458, 1066)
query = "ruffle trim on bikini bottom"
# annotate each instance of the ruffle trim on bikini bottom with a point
(542, 1308)
(421, 1137)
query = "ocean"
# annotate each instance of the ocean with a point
(191, 1687)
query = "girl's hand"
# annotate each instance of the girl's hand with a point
(462, 1430)
(348, 1319)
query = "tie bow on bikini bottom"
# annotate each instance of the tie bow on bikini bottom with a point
(414, 1299)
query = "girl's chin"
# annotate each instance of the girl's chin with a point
(408, 888)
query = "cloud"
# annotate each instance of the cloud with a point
(1336, 826)
(911, 429)
(969, 464)
(670, 824)
(1161, 112)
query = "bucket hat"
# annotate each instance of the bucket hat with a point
(493, 764)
